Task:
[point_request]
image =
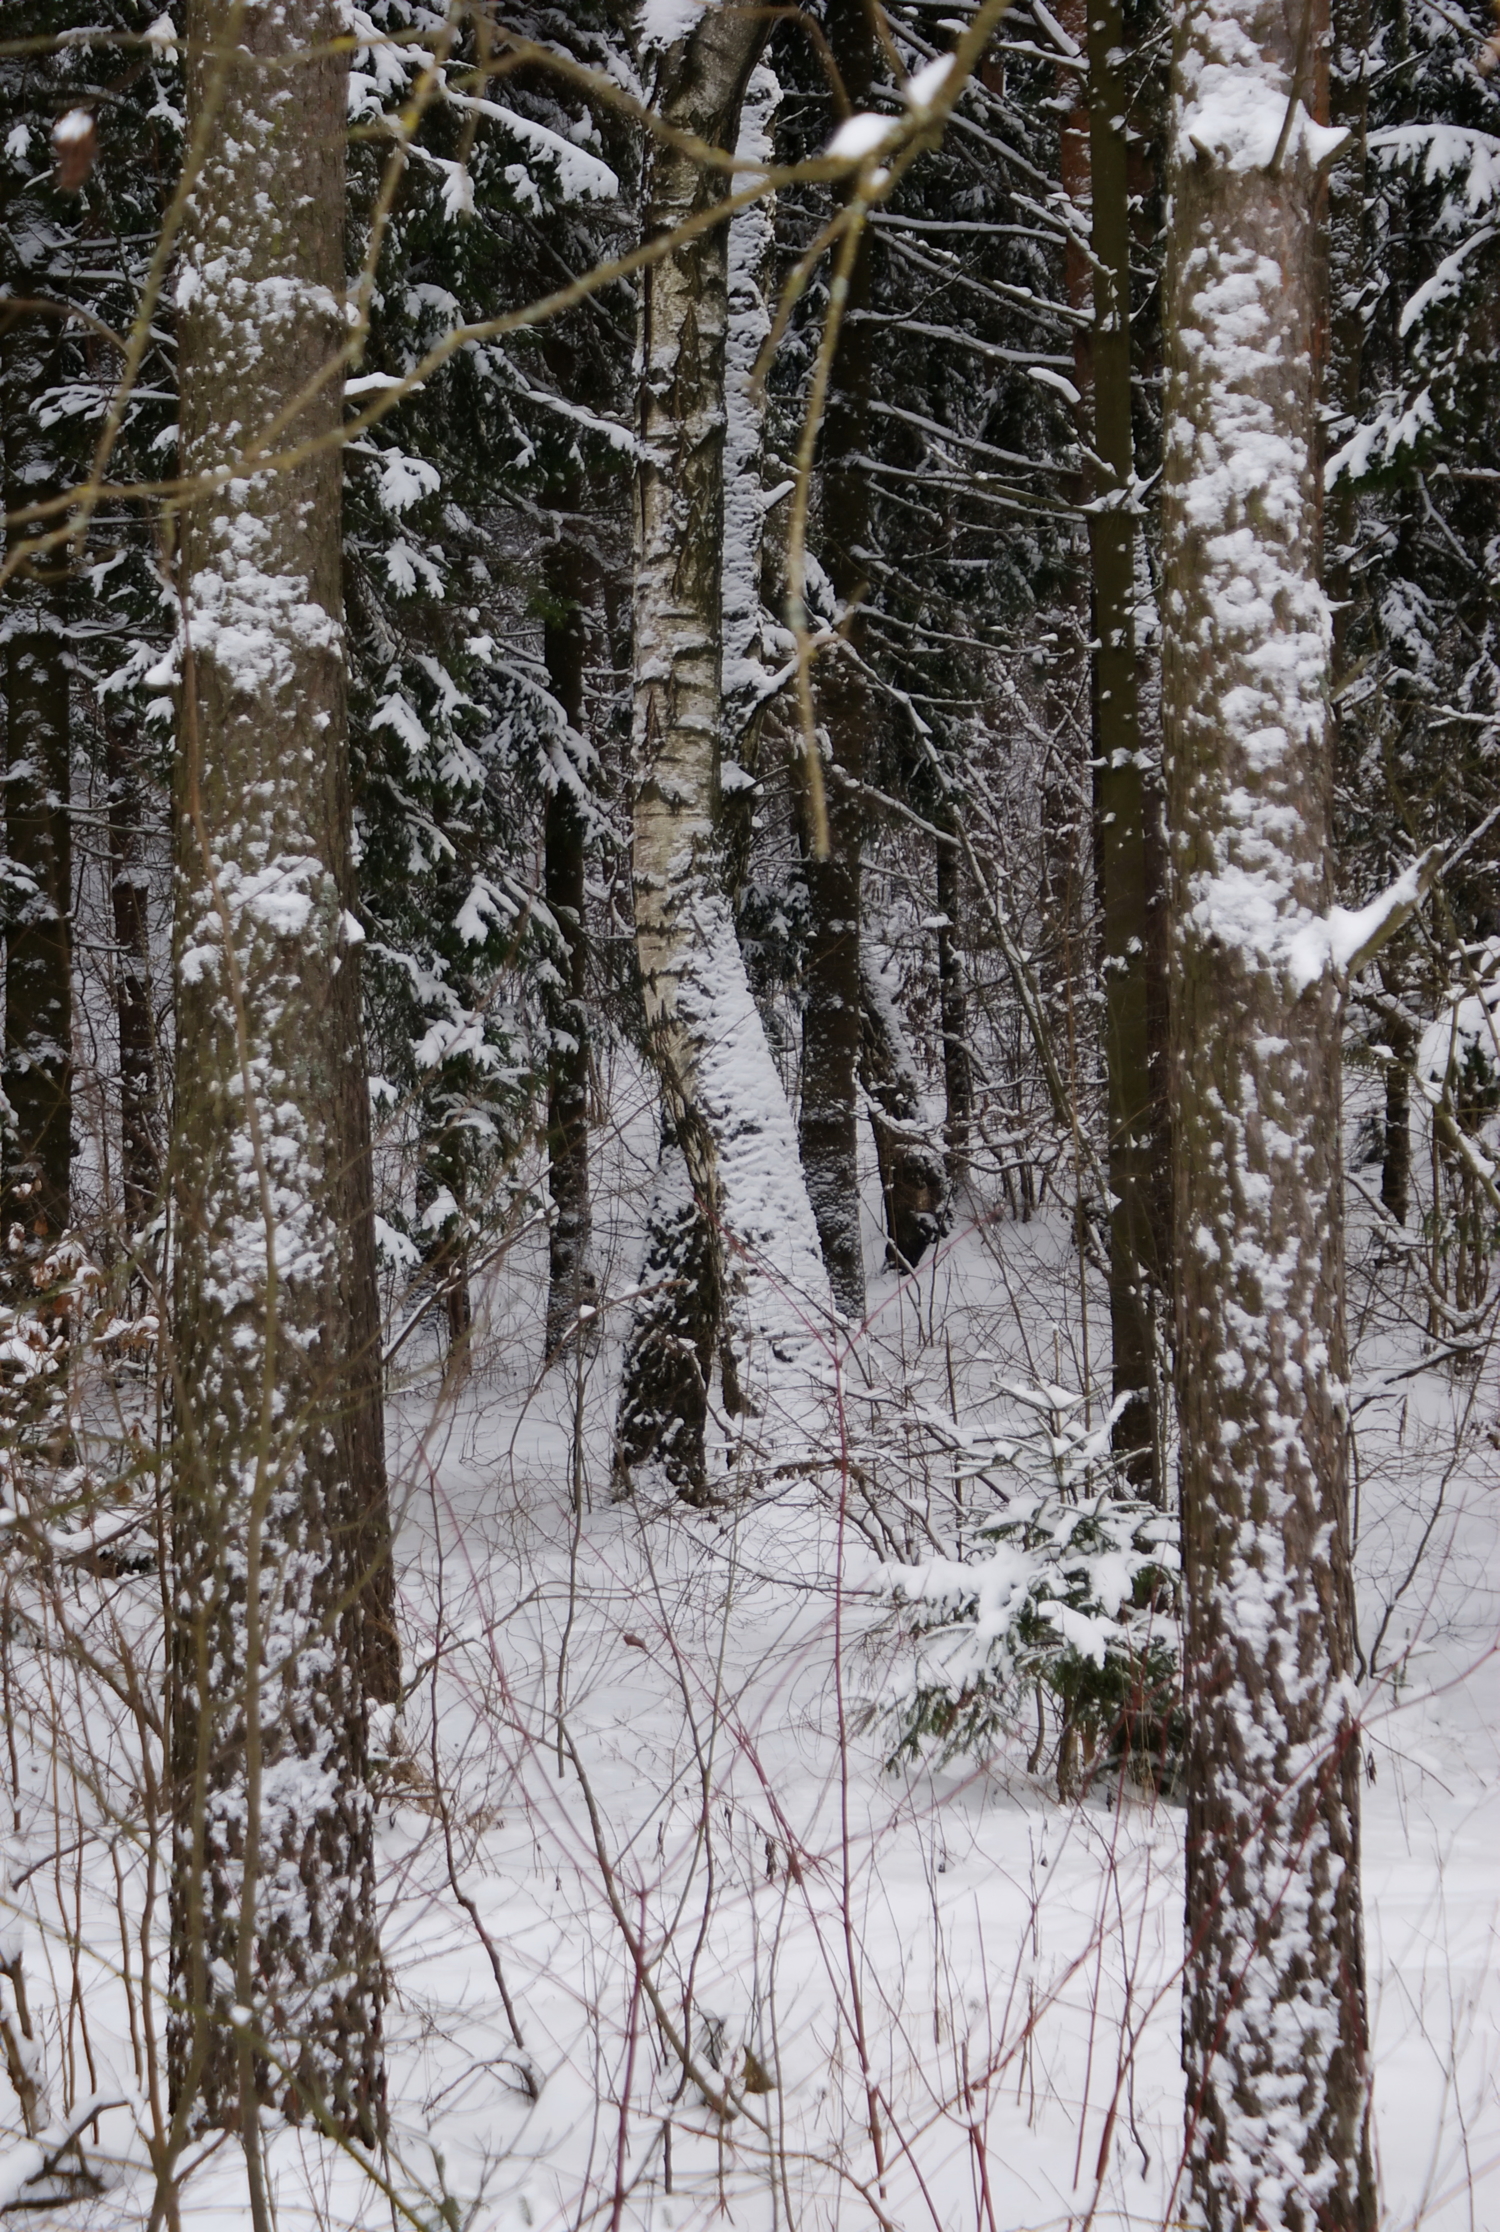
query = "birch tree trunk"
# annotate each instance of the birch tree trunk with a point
(280, 1630)
(1274, 2022)
(732, 1272)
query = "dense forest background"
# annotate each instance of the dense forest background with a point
(751, 1111)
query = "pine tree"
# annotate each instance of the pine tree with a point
(1274, 2024)
(277, 1480)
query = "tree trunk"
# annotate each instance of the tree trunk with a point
(1274, 2022)
(37, 1077)
(953, 1019)
(732, 1268)
(829, 1114)
(129, 883)
(912, 1178)
(570, 1281)
(1395, 1162)
(1120, 792)
(279, 1523)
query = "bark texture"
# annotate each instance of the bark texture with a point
(1121, 796)
(829, 1113)
(281, 1608)
(732, 1272)
(1274, 2021)
(912, 1178)
(1395, 1160)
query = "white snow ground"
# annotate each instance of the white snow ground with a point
(960, 1994)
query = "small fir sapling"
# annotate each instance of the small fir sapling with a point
(1065, 1594)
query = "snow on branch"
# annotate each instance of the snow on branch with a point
(1348, 938)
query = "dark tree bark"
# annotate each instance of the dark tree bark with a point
(1350, 249)
(828, 1121)
(1395, 1164)
(37, 1077)
(1274, 2019)
(129, 884)
(570, 1282)
(953, 1019)
(280, 1543)
(912, 1179)
(1121, 796)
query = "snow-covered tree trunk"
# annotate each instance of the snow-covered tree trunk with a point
(37, 1076)
(732, 1271)
(912, 1178)
(278, 1497)
(1274, 2019)
(747, 659)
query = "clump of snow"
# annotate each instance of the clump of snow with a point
(924, 86)
(859, 136)
(664, 22)
(1057, 381)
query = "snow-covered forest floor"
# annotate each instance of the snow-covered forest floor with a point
(642, 1774)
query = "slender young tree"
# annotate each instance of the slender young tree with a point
(1274, 2022)
(828, 1118)
(129, 890)
(37, 1076)
(732, 1276)
(278, 1504)
(953, 1018)
(1122, 799)
(570, 1282)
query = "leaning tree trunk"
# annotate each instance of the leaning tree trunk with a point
(281, 1629)
(37, 1076)
(732, 1272)
(1274, 2022)
(829, 1113)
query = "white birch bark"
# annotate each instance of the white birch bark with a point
(752, 248)
(741, 1277)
